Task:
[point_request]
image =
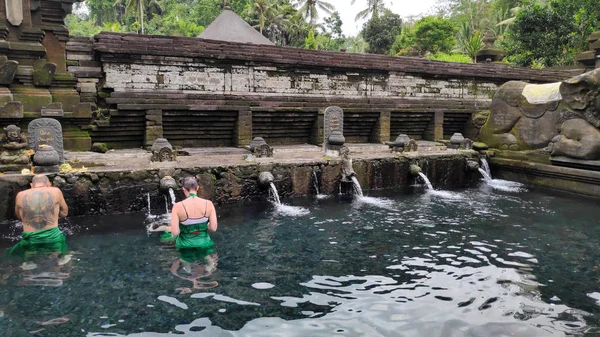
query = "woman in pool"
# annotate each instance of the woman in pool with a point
(191, 220)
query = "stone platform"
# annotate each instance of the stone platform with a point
(122, 180)
(132, 159)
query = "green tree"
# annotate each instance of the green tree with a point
(374, 7)
(434, 34)
(380, 32)
(404, 43)
(333, 25)
(310, 42)
(309, 9)
(551, 34)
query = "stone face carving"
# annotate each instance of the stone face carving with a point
(14, 146)
(46, 131)
(162, 151)
(260, 148)
(43, 73)
(565, 117)
(412, 146)
(14, 11)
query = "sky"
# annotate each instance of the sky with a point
(404, 8)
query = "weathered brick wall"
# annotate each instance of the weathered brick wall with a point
(214, 93)
(186, 74)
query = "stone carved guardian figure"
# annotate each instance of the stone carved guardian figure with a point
(14, 146)
(563, 116)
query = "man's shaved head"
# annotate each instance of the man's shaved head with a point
(40, 180)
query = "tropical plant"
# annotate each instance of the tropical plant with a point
(309, 9)
(138, 7)
(472, 46)
(374, 7)
(380, 32)
(310, 42)
(434, 34)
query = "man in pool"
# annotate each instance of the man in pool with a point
(39, 209)
(191, 219)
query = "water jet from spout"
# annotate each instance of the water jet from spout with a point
(356, 186)
(426, 181)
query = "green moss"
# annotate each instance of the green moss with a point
(103, 94)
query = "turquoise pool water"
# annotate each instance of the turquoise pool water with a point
(475, 262)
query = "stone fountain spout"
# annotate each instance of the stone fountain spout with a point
(472, 165)
(265, 179)
(347, 170)
(414, 170)
(167, 183)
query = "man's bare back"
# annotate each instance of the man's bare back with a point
(40, 207)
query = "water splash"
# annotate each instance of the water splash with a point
(499, 184)
(292, 211)
(173, 198)
(426, 181)
(166, 204)
(438, 193)
(356, 186)
(486, 176)
(378, 202)
(274, 194)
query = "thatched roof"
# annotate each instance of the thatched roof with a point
(230, 27)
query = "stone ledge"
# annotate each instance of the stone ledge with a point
(555, 177)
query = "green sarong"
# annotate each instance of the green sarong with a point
(45, 241)
(193, 242)
(167, 237)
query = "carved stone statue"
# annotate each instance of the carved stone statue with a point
(14, 146)
(563, 116)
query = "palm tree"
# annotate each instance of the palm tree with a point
(138, 5)
(373, 7)
(309, 9)
(261, 9)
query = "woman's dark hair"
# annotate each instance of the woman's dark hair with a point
(190, 183)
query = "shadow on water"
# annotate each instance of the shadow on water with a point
(480, 263)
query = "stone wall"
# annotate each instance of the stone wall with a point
(213, 93)
(126, 191)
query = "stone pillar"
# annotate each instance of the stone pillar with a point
(438, 124)
(154, 127)
(381, 133)
(435, 129)
(316, 135)
(243, 128)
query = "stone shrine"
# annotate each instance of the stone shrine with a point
(34, 80)
(46, 131)
(333, 131)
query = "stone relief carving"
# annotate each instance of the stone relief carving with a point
(563, 117)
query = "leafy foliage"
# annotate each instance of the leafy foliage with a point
(380, 32)
(457, 58)
(540, 33)
(434, 34)
(550, 35)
